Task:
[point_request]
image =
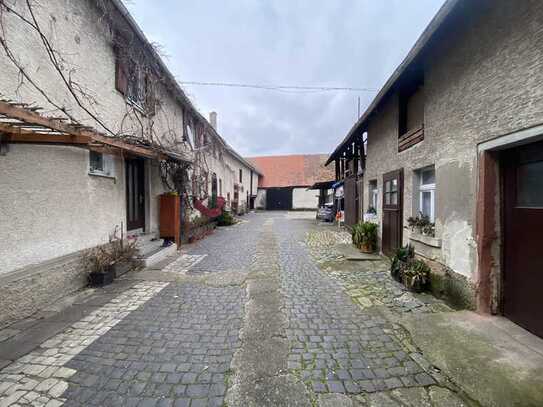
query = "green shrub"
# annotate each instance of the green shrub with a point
(416, 276)
(225, 219)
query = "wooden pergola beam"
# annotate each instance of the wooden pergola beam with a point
(18, 135)
(33, 118)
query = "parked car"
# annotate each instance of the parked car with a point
(326, 212)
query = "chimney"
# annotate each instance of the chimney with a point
(213, 119)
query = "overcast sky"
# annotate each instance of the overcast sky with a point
(345, 43)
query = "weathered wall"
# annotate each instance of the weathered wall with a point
(227, 169)
(51, 206)
(302, 198)
(28, 290)
(483, 81)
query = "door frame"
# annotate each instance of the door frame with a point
(386, 177)
(489, 217)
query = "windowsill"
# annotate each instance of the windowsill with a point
(427, 240)
(101, 175)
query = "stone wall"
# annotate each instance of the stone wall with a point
(30, 289)
(482, 80)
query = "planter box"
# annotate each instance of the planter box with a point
(122, 268)
(427, 246)
(102, 279)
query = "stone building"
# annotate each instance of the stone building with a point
(287, 180)
(93, 129)
(455, 134)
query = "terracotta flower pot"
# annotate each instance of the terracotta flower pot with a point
(366, 248)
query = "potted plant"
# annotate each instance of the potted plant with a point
(364, 236)
(422, 224)
(99, 265)
(124, 255)
(400, 262)
(416, 276)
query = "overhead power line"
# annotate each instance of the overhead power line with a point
(280, 87)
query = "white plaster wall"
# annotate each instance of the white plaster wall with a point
(227, 169)
(77, 30)
(50, 206)
(302, 198)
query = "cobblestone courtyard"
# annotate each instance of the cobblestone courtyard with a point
(264, 313)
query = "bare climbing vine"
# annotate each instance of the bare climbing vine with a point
(143, 104)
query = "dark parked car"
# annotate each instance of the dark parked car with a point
(326, 212)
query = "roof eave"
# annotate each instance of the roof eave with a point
(415, 51)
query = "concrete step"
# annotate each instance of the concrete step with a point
(152, 250)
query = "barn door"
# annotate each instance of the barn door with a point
(523, 210)
(392, 211)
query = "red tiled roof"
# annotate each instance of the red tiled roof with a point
(292, 170)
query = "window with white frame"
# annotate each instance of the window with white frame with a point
(373, 195)
(427, 192)
(101, 164)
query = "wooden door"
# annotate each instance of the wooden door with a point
(135, 194)
(523, 220)
(350, 201)
(392, 211)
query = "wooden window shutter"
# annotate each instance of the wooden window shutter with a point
(121, 77)
(150, 97)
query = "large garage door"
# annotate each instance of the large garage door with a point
(279, 199)
(523, 279)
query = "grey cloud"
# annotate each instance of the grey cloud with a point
(354, 43)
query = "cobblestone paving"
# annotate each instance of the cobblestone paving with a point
(228, 248)
(174, 349)
(368, 282)
(335, 346)
(42, 376)
(173, 344)
(184, 263)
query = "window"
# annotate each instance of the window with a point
(100, 164)
(135, 84)
(427, 188)
(391, 192)
(373, 195)
(220, 187)
(240, 175)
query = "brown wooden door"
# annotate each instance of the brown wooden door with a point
(523, 255)
(350, 201)
(392, 211)
(135, 194)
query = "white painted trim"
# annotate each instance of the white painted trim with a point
(520, 137)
